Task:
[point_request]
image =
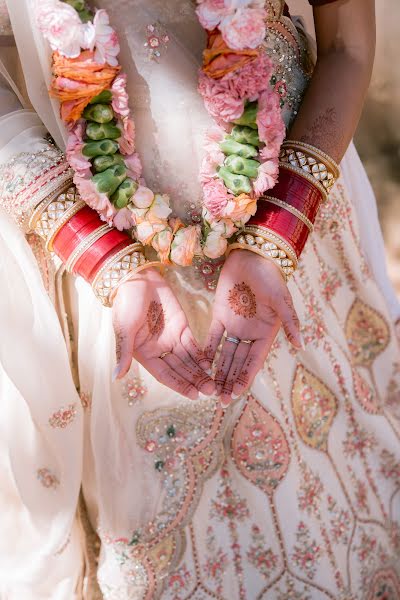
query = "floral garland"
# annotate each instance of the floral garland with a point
(242, 149)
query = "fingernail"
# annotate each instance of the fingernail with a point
(225, 402)
(235, 396)
(115, 373)
(209, 372)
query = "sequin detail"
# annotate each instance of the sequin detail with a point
(47, 478)
(134, 390)
(157, 41)
(63, 417)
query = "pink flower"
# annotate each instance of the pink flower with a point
(94, 199)
(215, 245)
(143, 197)
(77, 161)
(124, 219)
(252, 79)
(267, 176)
(271, 128)
(213, 138)
(240, 208)
(62, 27)
(127, 140)
(218, 99)
(159, 210)
(210, 13)
(120, 98)
(216, 197)
(106, 40)
(245, 28)
(145, 231)
(185, 245)
(134, 165)
(162, 244)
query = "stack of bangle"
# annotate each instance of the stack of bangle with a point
(284, 220)
(102, 255)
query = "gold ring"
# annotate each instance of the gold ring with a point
(164, 354)
(247, 341)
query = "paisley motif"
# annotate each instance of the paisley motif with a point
(367, 333)
(385, 585)
(364, 394)
(314, 408)
(259, 447)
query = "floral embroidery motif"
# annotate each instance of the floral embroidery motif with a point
(86, 399)
(367, 333)
(63, 417)
(390, 467)
(314, 408)
(366, 548)
(134, 390)
(263, 558)
(309, 494)
(307, 552)
(340, 522)
(259, 447)
(157, 41)
(358, 440)
(179, 582)
(329, 281)
(228, 505)
(217, 561)
(365, 394)
(385, 585)
(47, 478)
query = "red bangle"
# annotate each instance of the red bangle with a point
(299, 193)
(76, 230)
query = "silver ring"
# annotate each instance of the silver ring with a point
(235, 340)
(247, 341)
(164, 354)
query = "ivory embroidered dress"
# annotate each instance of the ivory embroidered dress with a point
(293, 492)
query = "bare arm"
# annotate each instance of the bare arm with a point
(332, 106)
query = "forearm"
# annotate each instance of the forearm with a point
(332, 106)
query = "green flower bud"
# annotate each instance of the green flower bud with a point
(249, 116)
(108, 181)
(104, 97)
(102, 131)
(101, 163)
(242, 166)
(85, 16)
(101, 148)
(100, 113)
(238, 184)
(124, 193)
(229, 146)
(245, 135)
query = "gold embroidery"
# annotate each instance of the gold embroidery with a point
(367, 333)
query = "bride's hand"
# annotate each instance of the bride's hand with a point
(151, 327)
(251, 302)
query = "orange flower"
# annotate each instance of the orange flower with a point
(78, 80)
(218, 59)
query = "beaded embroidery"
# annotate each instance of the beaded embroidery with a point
(63, 417)
(157, 41)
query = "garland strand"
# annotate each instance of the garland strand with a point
(241, 150)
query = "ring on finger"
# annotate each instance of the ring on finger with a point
(233, 339)
(164, 354)
(247, 341)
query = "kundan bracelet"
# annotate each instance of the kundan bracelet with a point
(284, 220)
(102, 255)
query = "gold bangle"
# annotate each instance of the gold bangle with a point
(316, 153)
(69, 213)
(84, 245)
(127, 277)
(136, 246)
(270, 236)
(45, 203)
(289, 167)
(297, 213)
(256, 250)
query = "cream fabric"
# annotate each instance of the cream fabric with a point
(124, 491)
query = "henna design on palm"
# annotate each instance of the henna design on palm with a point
(155, 319)
(242, 301)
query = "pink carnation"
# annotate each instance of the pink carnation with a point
(62, 27)
(185, 245)
(133, 165)
(127, 140)
(106, 40)
(95, 199)
(252, 79)
(216, 197)
(120, 98)
(218, 99)
(271, 127)
(77, 161)
(124, 219)
(214, 155)
(210, 13)
(267, 176)
(245, 28)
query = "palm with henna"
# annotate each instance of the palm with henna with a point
(151, 327)
(252, 302)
